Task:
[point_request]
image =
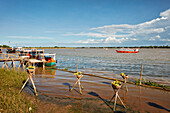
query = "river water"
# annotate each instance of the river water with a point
(156, 62)
(109, 63)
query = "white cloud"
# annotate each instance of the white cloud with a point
(153, 30)
(165, 13)
(166, 40)
(90, 41)
(118, 27)
(158, 36)
(98, 35)
(29, 37)
(113, 40)
(149, 31)
(147, 24)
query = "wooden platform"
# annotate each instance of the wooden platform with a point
(22, 59)
(12, 59)
(34, 61)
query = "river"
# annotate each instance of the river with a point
(156, 62)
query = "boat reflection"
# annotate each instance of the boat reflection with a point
(46, 72)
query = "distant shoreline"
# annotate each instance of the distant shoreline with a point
(56, 47)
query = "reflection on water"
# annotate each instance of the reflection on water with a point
(47, 71)
(156, 62)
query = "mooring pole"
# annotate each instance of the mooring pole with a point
(141, 74)
(77, 64)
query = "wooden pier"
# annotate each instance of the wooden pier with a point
(24, 61)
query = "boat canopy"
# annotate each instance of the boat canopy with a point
(48, 55)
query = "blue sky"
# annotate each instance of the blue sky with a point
(84, 23)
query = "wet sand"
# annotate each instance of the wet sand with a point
(57, 83)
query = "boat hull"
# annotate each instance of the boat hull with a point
(50, 64)
(127, 51)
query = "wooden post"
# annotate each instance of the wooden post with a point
(140, 94)
(43, 53)
(13, 63)
(33, 85)
(115, 101)
(125, 77)
(4, 56)
(78, 81)
(126, 84)
(141, 74)
(30, 73)
(21, 63)
(77, 64)
(36, 54)
(5, 62)
(43, 60)
(116, 95)
(43, 65)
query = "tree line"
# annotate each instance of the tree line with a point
(163, 46)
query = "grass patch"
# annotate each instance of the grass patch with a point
(66, 69)
(10, 99)
(149, 83)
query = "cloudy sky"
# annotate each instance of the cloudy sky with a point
(84, 23)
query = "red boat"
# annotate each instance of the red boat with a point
(127, 51)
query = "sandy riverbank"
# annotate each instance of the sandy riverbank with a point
(58, 83)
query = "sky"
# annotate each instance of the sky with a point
(84, 23)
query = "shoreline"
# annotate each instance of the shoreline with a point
(137, 98)
(119, 79)
(55, 96)
(141, 47)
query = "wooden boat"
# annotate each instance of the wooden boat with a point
(32, 53)
(123, 50)
(15, 50)
(49, 61)
(10, 50)
(19, 49)
(49, 58)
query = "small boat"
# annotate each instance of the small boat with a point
(14, 50)
(49, 58)
(10, 50)
(25, 52)
(19, 49)
(123, 50)
(32, 53)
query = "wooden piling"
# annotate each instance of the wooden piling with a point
(141, 74)
(77, 64)
(79, 84)
(30, 73)
(116, 95)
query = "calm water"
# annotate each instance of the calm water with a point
(156, 62)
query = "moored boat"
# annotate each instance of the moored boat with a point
(32, 53)
(15, 50)
(10, 50)
(127, 50)
(19, 49)
(49, 58)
